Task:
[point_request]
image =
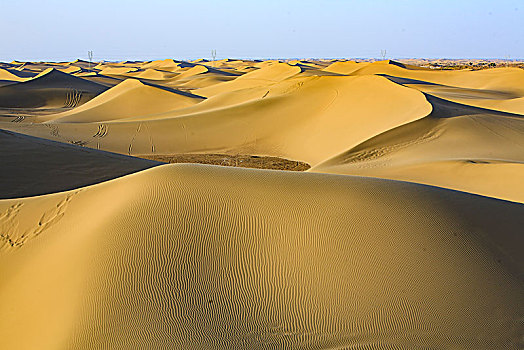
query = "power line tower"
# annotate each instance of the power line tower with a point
(90, 56)
(508, 58)
(214, 55)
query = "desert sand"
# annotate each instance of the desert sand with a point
(404, 232)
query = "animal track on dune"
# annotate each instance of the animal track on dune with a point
(294, 87)
(130, 148)
(8, 224)
(151, 142)
(12, 236)
(378, 152)
(18, 119)
(73, 98)
(54, 129)
(78, 142)
(136, 134)
(102, 131)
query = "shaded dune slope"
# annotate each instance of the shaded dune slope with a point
(51, 88)
(504, 100)
(193, 256)
(33, 166)
(10, 76)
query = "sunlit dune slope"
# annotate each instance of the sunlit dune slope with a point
(152, 74)
(317, 111)
(129, 98)
(502, 79)
(192, 256)
(10, 76)
(346, 67)
(167, 64)
(511, 102)
(51, 88)
(499, 88)
(309, 119)
(456, 146)
(117, 70)
(269, 74)
(33, 166)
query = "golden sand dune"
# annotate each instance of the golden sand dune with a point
(500, 100)
(192, 71)
(456, 146)
(129, 98)
(153, 74)
(346, 67)
(406, 232)
(165, 64)
(309, 119)
(10, 76)
(50, 88)
(291, 110)
(272, 73)
(117, 70)
(71, 70)
(505, 80)
(192, 256)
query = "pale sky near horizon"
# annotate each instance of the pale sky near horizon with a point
(157, 29)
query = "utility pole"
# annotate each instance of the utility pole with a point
(383, 54)
(214, 55)
(90, 56)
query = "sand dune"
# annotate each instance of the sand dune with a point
(71, 70)
(346, 67)
(129, 98)
(9, 76)
(505, 80)
(272, 73)
(153, 74)
(500, 100)
(49, 166)
(166, 64)
(197, 257)
(405, 233)
(117, 70)
(50, 88)
(456, 146)
(310, 119)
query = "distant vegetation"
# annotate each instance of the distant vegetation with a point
(474, 65)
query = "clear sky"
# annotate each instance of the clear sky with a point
(153, 29)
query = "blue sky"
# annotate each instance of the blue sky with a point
(154, 29)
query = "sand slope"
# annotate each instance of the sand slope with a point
(129, 98)
(492, 88)
(51, 88)
(308, 119)
(192, 256)
(456, 146)
(104, 251)
(34, 166)
(9, 76)
(263, 76)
